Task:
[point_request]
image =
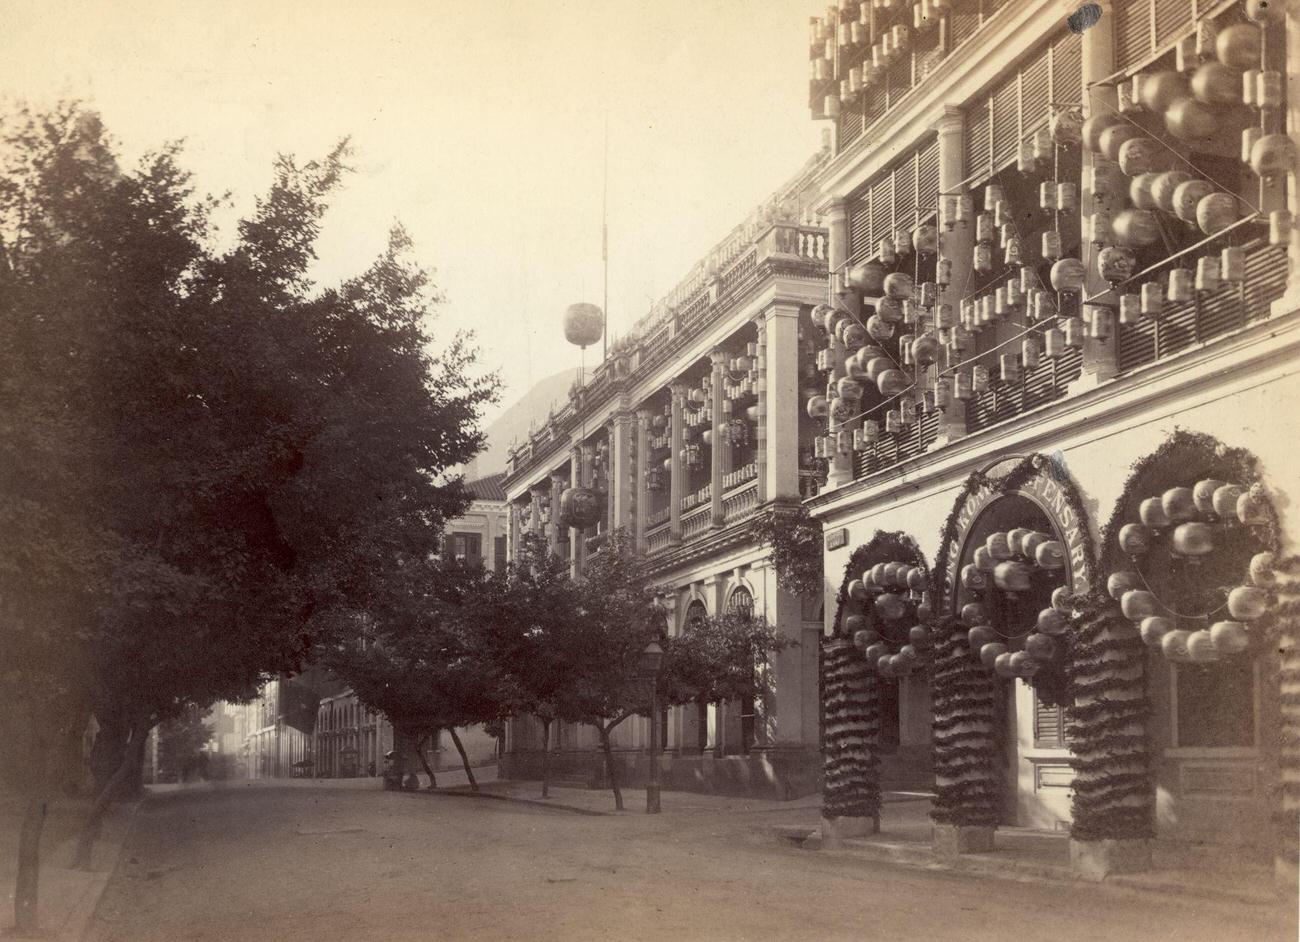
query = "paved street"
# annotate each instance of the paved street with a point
(252, 862)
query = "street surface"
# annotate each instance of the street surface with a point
(263, 862)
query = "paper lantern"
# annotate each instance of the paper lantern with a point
(1158, 92)
(580, 508)
(892, 382)
(1137, 604)
(1029, 543)
(1232, 263)
(1053, 622)
(1200, 647)
(972, 614)
(1066, 126)
(983, 559)
(1217, 212)
(1165, 185)
(885, 665)
(1139, 191)
(1237, 46)
(989, 653)
(854, 335)
(1179, 504)
(1280, 224)
(1225, 500)
(915, 579)
(850, 389)
(1229, 637)
(999, 546)
(874, 652)
(1121, 582)
(1073, 333)
(1024, 664)
(878, 328)
(1252, 508)
(1207, 274)
(1092, 129)
(974, 578)
(1188, 196)
(1261, 569)
(1153, 300)
(1134, 539)
(925, 349)
(891, 607)
(1100, 228)
(1130, 308)
(1216, 84)
(1272, 154)
(876, 366)
(1203, 494)
(1136, 227)
(896, 573)
(890, 310)
(1174, 645)
(1154, 628)
(1269, 90)
(1113, 138)
(1030, 352)
(920, 636)
(925, 239)
(818, 407)
(1011, 576)
(1191, 120)
(583, 324)
(1142, 154)
(1060, 596)
(1050, 555)
(1265, 11)
(1068, 274)
(1247, 602)
(1003, 666)
(898, 285)
(909, 654)
(1015, 539)
(1193, 539)
(1116, 263)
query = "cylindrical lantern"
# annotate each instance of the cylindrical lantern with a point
(1152, 299)
(1053, 343)
(1232, 264)
(985, 227)
(1051, 247)
(963, 386)
(1029, 352)
(1130, 307)
(1181, 287)
(1207, 274)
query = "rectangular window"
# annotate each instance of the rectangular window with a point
(499, 553)
(1049, 725)
(1215, 704)
(467, 548)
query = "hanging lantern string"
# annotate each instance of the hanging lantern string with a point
(996, 348)
(1159, 139)
(1196, 246)
(833, 426)
(1169, 608)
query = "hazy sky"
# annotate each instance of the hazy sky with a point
(476, 124)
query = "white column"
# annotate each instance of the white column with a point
(1099, 356)
(558, 536)
(1290, 67)
(958, 244)
(621, 476)
(836, 216)
(718, 448)
(781, 399)
(677, 475)
(643, 417)
(760, 426)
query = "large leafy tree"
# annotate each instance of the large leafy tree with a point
(202, 452)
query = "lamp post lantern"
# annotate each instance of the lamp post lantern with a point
(651, 663)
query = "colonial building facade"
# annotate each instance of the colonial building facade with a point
(690, 427)
(1060, 338)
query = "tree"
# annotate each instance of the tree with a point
(203, 453)
(180, 742)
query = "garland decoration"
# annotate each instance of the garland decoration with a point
(795, 537)
(967, 734)
(851, 780)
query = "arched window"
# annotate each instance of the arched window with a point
(695, 612)
(741, 602)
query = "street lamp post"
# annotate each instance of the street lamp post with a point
(652, 659)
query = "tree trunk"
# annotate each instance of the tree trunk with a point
(609, 765)
(464, 759)
(424, 761)
(29, 867)
(546, 758)
(94, 822)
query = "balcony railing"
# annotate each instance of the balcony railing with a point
(740, 502)
(657, 539)
(734, 478)
(696, 522)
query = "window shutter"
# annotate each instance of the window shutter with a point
(1035, 92)
(850, 127)
(860, 225)
(905, 195)
(1067, 69)
(1133, 32)
(977, 138)
(1171, 18)
(1006, 120)
(927, 178)
(1049, 725)
(882, 208)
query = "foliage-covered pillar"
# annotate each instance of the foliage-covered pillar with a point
(1284, 627)
(1114, 797)
(967, 773)
(850, 785)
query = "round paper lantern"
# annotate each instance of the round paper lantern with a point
(1200, 647)
(896, 573)
(878, 365)
(849, 389)
(1050, 555)
(583, 324)
(580, 507)
(1216, 84)
(1261, 569)
(1023, 664)
(919, 636)
(1247, 602)
(898, 285)
(1252, 508)
(1134, 539)
(916, 580)
(1115, 263)
(1137, 604)
(857, 590)
(878, 328)
(1015, 539)
(854, 335)
(924, 612)
(1113, 138)
(979, 636)
(869, 278)
(891, 607)
(974, 578)
(1135, 227)
(1193, 539)
(862, 639)
(1121, 582)
(925, 239)
(1178, 504)
(818, 407)
(819, 314)
(1011, 576)
(875, 652)
(990, 652)
(1164, 187)
(1158, 92)
(1140, 155)
(1265, 11)
(1040, 646)
(1272, 154)
(1188, 196)
(1067, 274)
(1060, 599)
(999, 546)
(1152, 514)
(1139, 191)
(1052, 621)
(840, 410)
(1229, 637)
(1154, 628)
(926, 348)
(1029, 544)
(1225, 500)
(1217, 212)
(1092, 129)
(1203, 494)
(835, 319)
(973, 613)
(1191, 120)
(1174, 644)
(892, 382)
(983, 559)
(1003, 666)
(1066, 127)
(885, 665)
(1238, 47)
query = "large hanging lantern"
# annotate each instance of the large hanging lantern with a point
(1140, 155)
(580, 508)
(1068, 274)
(1160, 91)
(898, 285)
(583, 324)
(1188, 195)
(1114, 137)
(1092, 129)
(1217, 212)
(1216, 85)
(1191, 120)
(892, 382)
(1116, 263)
(1165, 185)
(1135, 227)
(869, 278)
(1272, 154)
(1238, 47)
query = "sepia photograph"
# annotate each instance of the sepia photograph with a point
(650, 470)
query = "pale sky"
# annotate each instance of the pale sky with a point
(476, 124)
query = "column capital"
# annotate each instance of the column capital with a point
(719, 359)
(645, 414)
(951, 121)
(780, 309)
(679, 388)
(833, 208)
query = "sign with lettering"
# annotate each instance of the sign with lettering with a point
(837, 538)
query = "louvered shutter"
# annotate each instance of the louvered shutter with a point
(850, 127)
(1133, 33)
(1171, 18)
(1067, 69)
(882, 208)
(1006, 120)
(1035, 92)
(1049, 725)
(977, 138)
(905, 194)
(927, 177)
(860, 226)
